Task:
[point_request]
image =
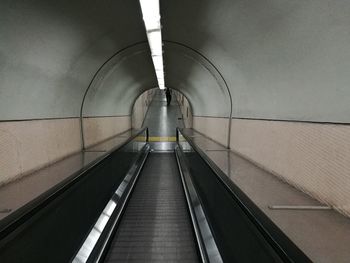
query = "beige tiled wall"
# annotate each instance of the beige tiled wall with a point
(214, 128)
(97, 129)
(185, 109)
(313, 157)
(26, 146)
(140, 108)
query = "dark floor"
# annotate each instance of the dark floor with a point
(156, 226)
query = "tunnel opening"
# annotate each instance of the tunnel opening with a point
(140, 108)
(266, 79)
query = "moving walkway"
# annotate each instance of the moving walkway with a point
(141, 204)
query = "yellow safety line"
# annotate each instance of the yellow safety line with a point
(140, 138)
(162, 139)
(156, 139)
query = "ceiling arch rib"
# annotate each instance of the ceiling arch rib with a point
(129, 73)
(119, 81)
(198, 78)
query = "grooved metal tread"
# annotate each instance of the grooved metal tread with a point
(156, 226)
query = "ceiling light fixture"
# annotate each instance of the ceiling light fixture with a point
(151, 17)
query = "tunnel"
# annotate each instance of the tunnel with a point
(248, 162)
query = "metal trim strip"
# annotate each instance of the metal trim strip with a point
(205, 240)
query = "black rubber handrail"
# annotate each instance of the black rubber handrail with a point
(21, 215)
(283, 246)
(191, 197)
(101, 247)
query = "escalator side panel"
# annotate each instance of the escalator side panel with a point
(50, 235)
(236, 237)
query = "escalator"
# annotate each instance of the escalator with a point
(137, 204)
(156, 226)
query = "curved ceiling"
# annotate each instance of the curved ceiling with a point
(50, 51)
(192, 74)
(280, 59)
(54, 55)
(119, 81)
(130, 72)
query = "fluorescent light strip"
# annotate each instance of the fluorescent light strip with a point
(151, 17)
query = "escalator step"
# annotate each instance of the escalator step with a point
(156, 226)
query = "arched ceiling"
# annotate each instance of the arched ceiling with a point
(119, 81)
(193, 75)
(130, 72)
(55, 54)
(280, 59)
(50, 51)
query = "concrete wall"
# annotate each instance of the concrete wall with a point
(281, 59)
(185, 108)
(29, 145)
(192, 75)
(140, 108)
(55, 55)
(51, 50)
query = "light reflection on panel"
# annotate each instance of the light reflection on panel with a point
(185, 146)
(90, 242)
